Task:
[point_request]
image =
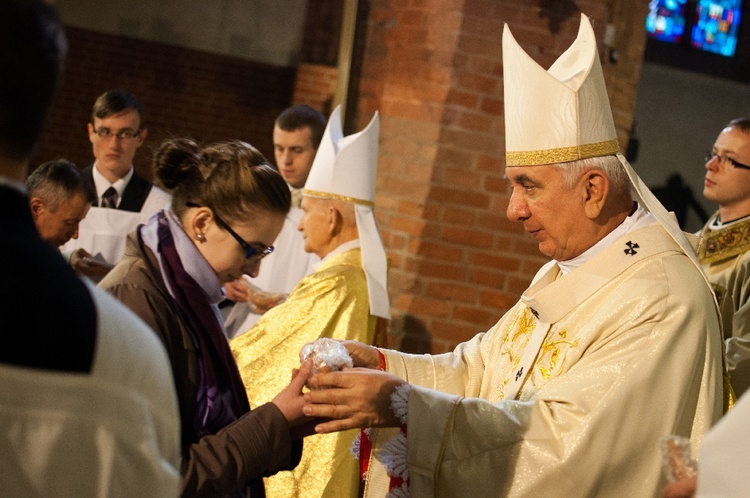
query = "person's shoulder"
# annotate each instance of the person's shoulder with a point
(342, 266)
(123, 336)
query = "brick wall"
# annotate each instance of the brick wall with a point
(433, 69)
(315, 86)
(184, 93)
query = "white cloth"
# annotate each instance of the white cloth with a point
(103, 231)
(112, 432)
(639, 219)
(724, 457)
(727, 266)
(632, 352)
(280, 272)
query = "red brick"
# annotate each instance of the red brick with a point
(449, 156)
(491, 105)
(452, 292)
(475, 82)
(467, 99)
(420, 305)
(475, 121)
(471, 140)
(450, 334)
(462, 197)
(498, 222)
(468, 236)
(516, 285)
(495, 261)
(494, 280)
(463, 177)
(437, 269)
(494, 184)
(457, 214)
(436, 250)
(500, 301)
(474, 314)
(413, 226)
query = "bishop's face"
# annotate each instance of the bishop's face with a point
(550, 212)
(315, 225)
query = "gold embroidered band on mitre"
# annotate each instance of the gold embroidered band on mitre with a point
(328, 195)
(561, 154)
(724, 243)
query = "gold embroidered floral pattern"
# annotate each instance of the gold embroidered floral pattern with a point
(551, 349)
(722, 244)
(515, 342)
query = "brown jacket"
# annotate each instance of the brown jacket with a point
(258, 444)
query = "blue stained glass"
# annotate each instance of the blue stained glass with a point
(666, 20)
(716, 26)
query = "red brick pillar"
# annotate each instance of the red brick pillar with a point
(433, 69)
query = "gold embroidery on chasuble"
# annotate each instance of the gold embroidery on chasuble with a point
(514, 344)
(551, 360)
(725, 243)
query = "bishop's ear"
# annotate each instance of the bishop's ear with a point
(335, 220)
(597, 189)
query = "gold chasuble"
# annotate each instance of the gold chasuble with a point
(330, 302)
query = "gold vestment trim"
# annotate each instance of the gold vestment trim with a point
(561, 154)
(328, 195)
(725, 243)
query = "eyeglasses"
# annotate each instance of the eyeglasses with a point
(253, 251)
(125, 134)
(725, 160)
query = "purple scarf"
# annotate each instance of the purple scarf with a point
(221, 397)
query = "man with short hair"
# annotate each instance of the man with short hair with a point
(344, 298)
(725, 243)
(87, 402)
(59, 200)
(124, 199)
(296, 136)
(615, 343)
(297, 133)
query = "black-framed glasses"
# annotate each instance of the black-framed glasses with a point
(724, 160)
(253, 250)
(126, 134)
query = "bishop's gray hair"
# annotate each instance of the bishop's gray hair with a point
(610, 165)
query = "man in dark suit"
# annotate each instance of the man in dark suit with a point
(124, 199)
(116, 131)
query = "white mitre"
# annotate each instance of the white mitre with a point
(345, 168)
(563, 114)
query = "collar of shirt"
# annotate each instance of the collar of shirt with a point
(717, 224)
(346, 246)
(639, 219)
(103, 184)
(192, 260)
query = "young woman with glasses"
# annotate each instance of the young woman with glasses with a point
(228, 206)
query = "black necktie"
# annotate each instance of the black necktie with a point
(109, 198)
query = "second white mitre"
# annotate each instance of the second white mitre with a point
(345, 168)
